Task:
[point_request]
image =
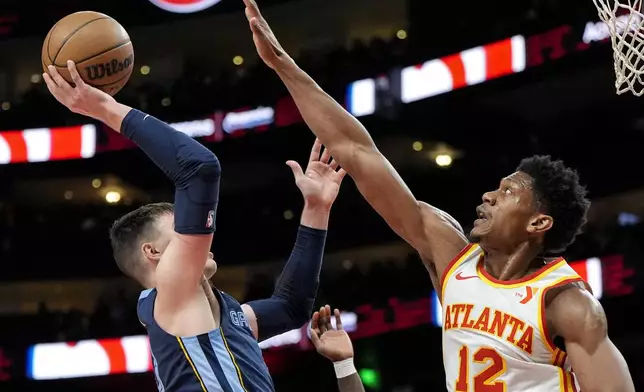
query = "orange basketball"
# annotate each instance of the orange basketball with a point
(99, 45)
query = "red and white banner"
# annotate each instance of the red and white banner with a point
(89, 358)
(47, 144)
(467, 68)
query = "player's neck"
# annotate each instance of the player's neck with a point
(212, 300)
(513, 263)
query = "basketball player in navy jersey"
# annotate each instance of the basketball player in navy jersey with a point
(202, 340)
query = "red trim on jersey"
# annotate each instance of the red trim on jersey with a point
(557, 360)
(535, 274)
(565, 381)
(544, 324)
(572, 382)
(454, 261)
(563, 358)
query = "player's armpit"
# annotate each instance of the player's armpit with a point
(598, 365)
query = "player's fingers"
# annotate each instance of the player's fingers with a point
(333, 165)
(51, 85)
(327, 311)
(60, 82)
(341, 174)
(258, 30)
(326, 155)
(314, 320)
(248, 13)
(322, 321)
(78, 81)
(315, 150)
(252, 7)
(296, 168)
(262, 35)
(338, 320)
(315, 339)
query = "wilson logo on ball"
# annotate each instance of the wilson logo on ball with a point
(99, 71)
(184, 6)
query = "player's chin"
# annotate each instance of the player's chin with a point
(210, 268)
(476, 234)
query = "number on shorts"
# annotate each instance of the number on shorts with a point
(485, 381)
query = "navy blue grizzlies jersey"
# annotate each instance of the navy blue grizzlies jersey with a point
(227, 359)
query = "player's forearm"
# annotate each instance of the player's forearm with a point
(315, 217)
(350, 383)
(194, 170)
(338, 130)
(292, 301)
(112, 114)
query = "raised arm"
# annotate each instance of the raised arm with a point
(434, 234)
(291, 304)
(335, 345)
(194, 170)
(580, 320)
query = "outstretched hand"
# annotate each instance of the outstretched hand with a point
(267, 45)
(320, 183)
(332, 343)
(80, 98)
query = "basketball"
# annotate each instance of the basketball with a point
(98, 44)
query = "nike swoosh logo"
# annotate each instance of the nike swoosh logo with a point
(460, 276)
(146, 116)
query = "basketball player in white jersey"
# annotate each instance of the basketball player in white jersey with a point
(514, 320)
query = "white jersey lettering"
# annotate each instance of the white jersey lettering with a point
(495, 336)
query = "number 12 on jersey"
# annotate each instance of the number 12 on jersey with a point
(486, 380)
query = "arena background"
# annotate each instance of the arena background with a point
(454, 94)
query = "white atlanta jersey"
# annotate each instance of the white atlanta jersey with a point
(495, 337)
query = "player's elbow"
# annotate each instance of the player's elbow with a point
(204, 168)
(298, 309)
(209, 167)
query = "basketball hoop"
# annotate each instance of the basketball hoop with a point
(624, 21)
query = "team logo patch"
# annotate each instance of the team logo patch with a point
(211, 219)
(184, 6)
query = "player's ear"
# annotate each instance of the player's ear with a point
(150, 252)
(540, 223)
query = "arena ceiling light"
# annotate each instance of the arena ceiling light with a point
(184, 6)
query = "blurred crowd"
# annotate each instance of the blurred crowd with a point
(346, 286)
(201, 90)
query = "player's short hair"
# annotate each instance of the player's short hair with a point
(559, 194)
(128, 231)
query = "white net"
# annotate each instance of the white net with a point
(625, 21)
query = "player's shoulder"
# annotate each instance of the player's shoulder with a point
(572, 298)
(227, 297)
(573, 309)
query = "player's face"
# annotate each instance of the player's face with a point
(166, 233)
(508, 215)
